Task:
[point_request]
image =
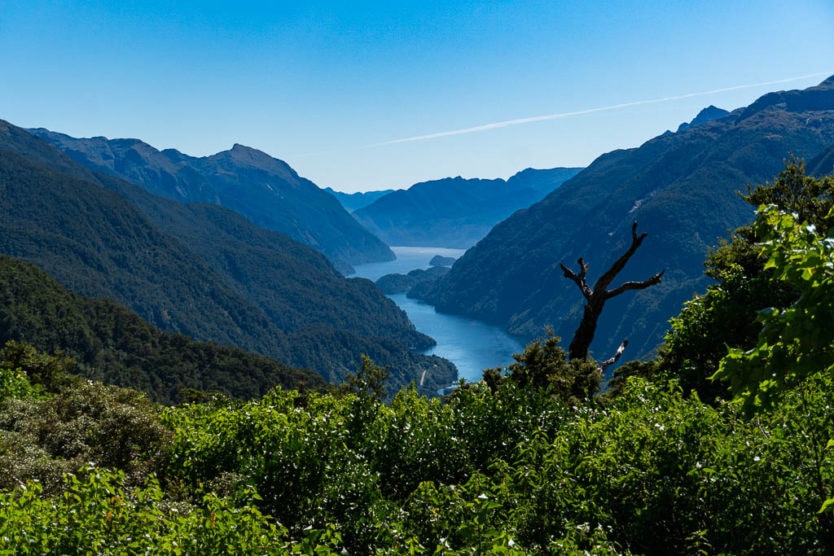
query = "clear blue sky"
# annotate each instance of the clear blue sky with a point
(367, 95)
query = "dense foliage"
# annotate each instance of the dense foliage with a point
(530, 460)
(111, 344)
(751, 279)
(509, 470)
(797, 340)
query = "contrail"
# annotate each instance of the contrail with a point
(520, 121)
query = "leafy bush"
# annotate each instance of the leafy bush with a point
(43, 437)
(98, 514)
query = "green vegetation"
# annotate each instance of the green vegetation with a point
(758, 275)
(111, 344)
(798, 340)
(529, 460)
(200, 270)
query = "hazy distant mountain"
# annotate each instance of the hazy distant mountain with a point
(355, 201)
(681, 187)
(264, 189)
(197, 269)
(456, 212)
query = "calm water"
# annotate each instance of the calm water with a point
(471, 345)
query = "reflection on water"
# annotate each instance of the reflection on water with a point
(471, 345)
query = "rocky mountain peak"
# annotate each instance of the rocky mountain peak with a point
(706, 115)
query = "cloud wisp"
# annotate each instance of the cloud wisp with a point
(560, 115)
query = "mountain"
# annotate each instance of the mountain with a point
(456, 212)
(198, 269)
(706, 115)
(114, 345)
(822, 164)
(355, 201)
(680, 187)
(264, 189)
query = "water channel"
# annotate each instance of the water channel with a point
(470, 344)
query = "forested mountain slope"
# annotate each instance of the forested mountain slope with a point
(199, 270)
(264, 189)
(822, 164)
(681, 187)
(456, 212)
(114, 345)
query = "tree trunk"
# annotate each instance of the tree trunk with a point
(584, 334)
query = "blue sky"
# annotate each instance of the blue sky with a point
(368, 95)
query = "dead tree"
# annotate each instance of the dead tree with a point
(613, 359)
(596, 297)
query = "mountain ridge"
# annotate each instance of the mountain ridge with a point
(354, 201)
(455, 212)
(680, 187)
(264, 189)
(706, 115)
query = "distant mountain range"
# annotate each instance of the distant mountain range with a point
(264, 189)
(455, 212)
(681, 187)
(355, 201)
(198, 269)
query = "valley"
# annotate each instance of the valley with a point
(468, 343)
(327, 278)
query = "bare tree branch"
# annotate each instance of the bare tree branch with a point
(606, 279)
(600, 293)
(635, 285)
(613, 359)
(579, 278)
